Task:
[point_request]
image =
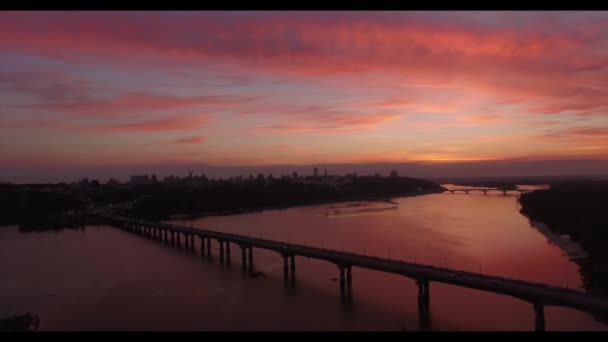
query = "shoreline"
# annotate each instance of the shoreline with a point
(565, 243)
(379, 199)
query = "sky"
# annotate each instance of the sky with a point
(123, 91)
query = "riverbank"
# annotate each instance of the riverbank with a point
(579, 211)
(239, 199)
(284, 207)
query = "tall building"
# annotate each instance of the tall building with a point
(295, 175)
(325, 174)
(316, 172)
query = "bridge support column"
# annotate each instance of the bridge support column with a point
(539, 312)
(178, 238)
(285, 266)
(293, 266)
(202, 239)
(228, 252)
(423, 292)
(208, 247)
(504, 192)
(349, 278)
(192, 249)
(172, 237)
(244, 257)
(341, 277)
(250, 259)
(221, 250)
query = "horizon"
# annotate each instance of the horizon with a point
(430, 171)
(110, 93)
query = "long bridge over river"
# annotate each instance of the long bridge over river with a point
(538, 295)
(486, 190)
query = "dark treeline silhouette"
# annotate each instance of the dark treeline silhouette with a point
(56, 206)
(53, 206)
(25, 322)
(580, 210)
(162, 201)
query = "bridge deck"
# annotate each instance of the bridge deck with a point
(527, 291)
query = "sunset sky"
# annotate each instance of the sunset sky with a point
(116, 89)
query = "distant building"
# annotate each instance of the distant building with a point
(325, 174)
(140, 179)
(316, 172)
(153, 179)
(394, 174)
(112, 181)
(295, 175)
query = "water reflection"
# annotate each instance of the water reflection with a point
(104, 278)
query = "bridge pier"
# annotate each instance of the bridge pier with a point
(349, 278)
(228, 252)
(285, 266)
(244, 258)
(172, 237)
(539, 313)
(504, 192)
(485, 192)
(178, 238)
(192, 249)
(250, 259)
(221, 250)
(209, 247)
(293, 267)
(423, 292)
(202, 239)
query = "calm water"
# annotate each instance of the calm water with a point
(103, 278)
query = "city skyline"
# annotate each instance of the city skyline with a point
(122, 92)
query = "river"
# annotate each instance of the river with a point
(102, 278)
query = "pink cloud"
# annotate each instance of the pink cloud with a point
(158, 125)
(169, 124)
(330, 122)
(191, 140)
(542, 60)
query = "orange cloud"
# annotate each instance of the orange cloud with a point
(329, 122)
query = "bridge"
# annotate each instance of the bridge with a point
(486, 190)
(536, 294)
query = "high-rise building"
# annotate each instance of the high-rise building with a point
(316, 172)
(295, 175)
(325, 173)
